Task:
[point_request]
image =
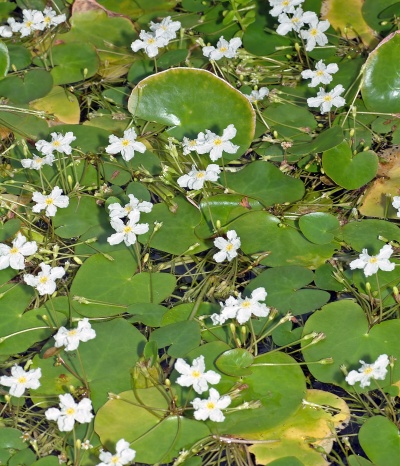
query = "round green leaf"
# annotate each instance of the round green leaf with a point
(20, 57)
(235, 362)
(380, 87)
(191, 101)
(348, 171)
(11, 438)
(378, 431)
(34, 85)
(319, 227)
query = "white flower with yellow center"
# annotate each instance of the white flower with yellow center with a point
(215, 145)
(195, 375)
(315, 34)
(294, 22)
(50, 17)
(14, 256)
(195, 178)
(191, 145)
(321, 75)
(228, 248)
(20, 380)
(126, 146)
(283, 6)
(242, 309)
(117, 211)
(70, 412)
(70, 338)
(50, 202)
(37, 162)
(371, 264)
(366, 372)
(166, 28)
(45, 281)
(327, 99)
(127, 232)
(60, 143)
(124, 455)
(150, 43)
(224, 49)
(257, 95)
(32, 20)
(211, 407)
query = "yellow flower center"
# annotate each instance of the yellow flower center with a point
(327, 98)
(368, 370)
(70, 411)
(192, 143)
(223, 49)
(210, 405)
(200, 175)
(125, 142)
(22, 379)
(151, 40)
(246, 303)
(128, 208)
(285, 3)
(229, 247)
(72, 332)
(218, 142)
(44, 279)
(127, 229)
(314, 32)
(47, 19)
(373, 260)
(295, 19)
(196, 374)
(319, 73)
(13, 250)
(28, 24)
(49, 201)
(56, 143)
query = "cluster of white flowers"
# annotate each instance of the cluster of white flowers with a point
(196, 377)
(228, 248)
(45, 281)
(20, 380)
(126, 145)
(14, 256)
(69, 412)
(160, 36)
(371, 264)
(59, 143)
(124, 455)
(50, 202)
(223, 49)
(242, 309)
(211, 143)
(366, 372)
(70, 338)
(32, 20)
(127, 231)
(195, 179)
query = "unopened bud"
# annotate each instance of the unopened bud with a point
(319, 337)
(78, 444)
(167, 383)
(352, 131)
(232, 328)
(326, 361)
(368, 287)
(218, 224)
(70, 181)
(77, 260)
(343, 368)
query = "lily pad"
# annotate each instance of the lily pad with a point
(203, 101)
(62, 104)
(34, 85)
(319, 227)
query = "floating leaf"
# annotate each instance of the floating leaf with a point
(364, 234)
(235, 362)
(348, 171)
(204, 101)
(182, 337)
(60, 103)
(319, 227)
(381, 81)
(34, 85)
(20, 57)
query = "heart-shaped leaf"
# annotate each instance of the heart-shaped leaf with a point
(319, 227)
(348, 171)
(34, 85)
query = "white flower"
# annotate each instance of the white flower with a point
(117, 211)
(150, 43)
(295, 22)
(242, 309)
(51, 18)
(255, 96)
(396, 204)
(223, 49)
(228, 248)
(32, 20)
(37, 162)
(376, 370)
(125, 145)
(50, 202)
(86, 445)
(58, 143)
(71, 338)
(283, 6)
(166, 29)
(215, 145)
(127, 232)
(315, 35)
(45, 281)
(6, 31)
(124, 455)
(14, 257)
(20, 380)
(321, 75)
(70, 412)
(195, 178)
(211, 407)
(14, 25)
(327, 99)
(195, 375)
(371, 264)
(190, 145)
